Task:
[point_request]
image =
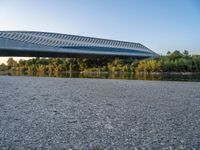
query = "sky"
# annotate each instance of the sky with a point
(161, 25)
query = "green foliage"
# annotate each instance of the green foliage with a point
(180, 62)
(148, 66)
(172, 62)
(3, 67)
(11, 63)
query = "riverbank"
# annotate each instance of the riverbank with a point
(64, 113)
(176, 62)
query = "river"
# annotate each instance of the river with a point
(118, 75)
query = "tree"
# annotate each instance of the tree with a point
(3, 67)
(168, 53)
(175, 55)
(186, 54)
(11, 63)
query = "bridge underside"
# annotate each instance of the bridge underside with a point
(25, 53)
(28, 44)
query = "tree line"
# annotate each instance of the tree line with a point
(171, 62)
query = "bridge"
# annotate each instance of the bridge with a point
(44, 44)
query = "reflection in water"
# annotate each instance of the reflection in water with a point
(105, 75)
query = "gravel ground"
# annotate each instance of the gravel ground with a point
(61, 113)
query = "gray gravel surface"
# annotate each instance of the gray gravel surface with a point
(61, 113)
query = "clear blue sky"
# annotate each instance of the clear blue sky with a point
(161, 25)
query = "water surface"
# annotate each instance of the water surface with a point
(118, 75)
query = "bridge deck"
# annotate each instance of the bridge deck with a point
(42, 44)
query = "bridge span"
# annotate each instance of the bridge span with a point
(44, 44)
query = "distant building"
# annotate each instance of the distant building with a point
(43, 44)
